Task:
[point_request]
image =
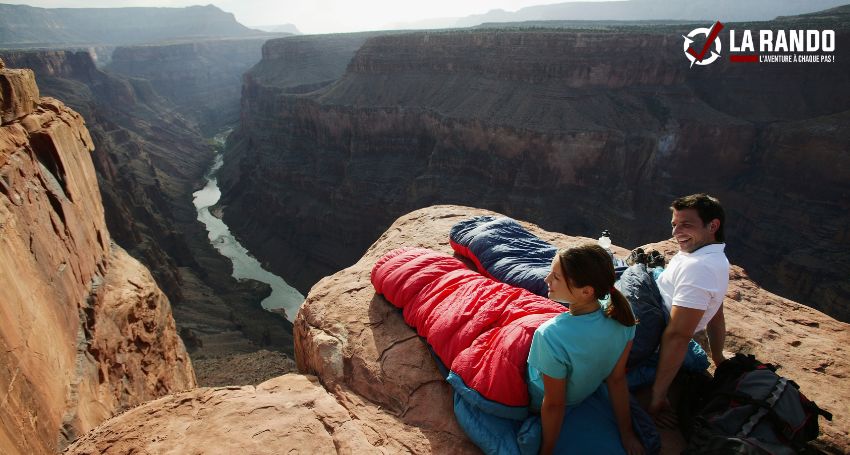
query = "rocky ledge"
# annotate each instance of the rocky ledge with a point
(376, 389)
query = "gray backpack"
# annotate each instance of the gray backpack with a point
(749, 409)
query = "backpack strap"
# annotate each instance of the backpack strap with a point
(771, 400)
(818, 410)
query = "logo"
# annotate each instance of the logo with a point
(760, 46)
(711, 40)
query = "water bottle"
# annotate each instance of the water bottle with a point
(605, 240)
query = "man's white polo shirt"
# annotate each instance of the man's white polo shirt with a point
(696, 280)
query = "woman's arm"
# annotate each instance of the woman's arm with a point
(552, 411)
(619, 393)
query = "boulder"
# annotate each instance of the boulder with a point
(18, 93)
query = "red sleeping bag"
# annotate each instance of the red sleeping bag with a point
(481, 329)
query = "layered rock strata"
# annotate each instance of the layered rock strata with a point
(371, 386)
(85, 330)
(528, 122)
(148, 160)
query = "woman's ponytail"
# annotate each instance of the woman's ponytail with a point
(620, 309)
(591, 265)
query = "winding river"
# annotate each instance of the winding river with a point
(245, 266)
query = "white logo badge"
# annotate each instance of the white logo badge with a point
(712, 44)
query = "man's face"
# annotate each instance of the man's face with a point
(690, 232)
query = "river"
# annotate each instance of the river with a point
(245, 266)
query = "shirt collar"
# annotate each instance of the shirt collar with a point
(709, 249)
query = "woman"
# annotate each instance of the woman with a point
(574, 352)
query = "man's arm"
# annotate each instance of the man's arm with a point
(674, 343)
(716, 331)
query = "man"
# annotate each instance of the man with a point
(693, 287)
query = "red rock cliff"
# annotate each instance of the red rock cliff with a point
(84, 330)
(149, 160)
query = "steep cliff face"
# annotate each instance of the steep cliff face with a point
(379, 390)
(85, 330)
(302, 64)
(201, 78)
(149, 160)
(529, 122)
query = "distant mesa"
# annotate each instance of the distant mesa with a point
(656, 11)
(641, 10)
(23, 26)
(278, 28)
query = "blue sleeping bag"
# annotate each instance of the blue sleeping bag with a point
(589, 427)
(503, 250)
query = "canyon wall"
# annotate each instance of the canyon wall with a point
(202, 78)
(85, 330)
(529, 123)
(148, 160)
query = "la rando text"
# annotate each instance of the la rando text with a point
(783, 41)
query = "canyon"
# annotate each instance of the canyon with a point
(527, 122)
(150, 156)
(347, 138)
(203, 79)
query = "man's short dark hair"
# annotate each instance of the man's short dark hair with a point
(708, 208)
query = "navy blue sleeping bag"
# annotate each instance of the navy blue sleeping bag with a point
(504, 250)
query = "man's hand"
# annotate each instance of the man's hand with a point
(717, 359)
(632, 444)
(662, 413)
(674, 343)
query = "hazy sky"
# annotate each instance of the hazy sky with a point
(320, 16)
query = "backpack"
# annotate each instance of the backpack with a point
(749, 409)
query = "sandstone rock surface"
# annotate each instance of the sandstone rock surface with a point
(289, 414)
(84, 329)
(18, 94)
